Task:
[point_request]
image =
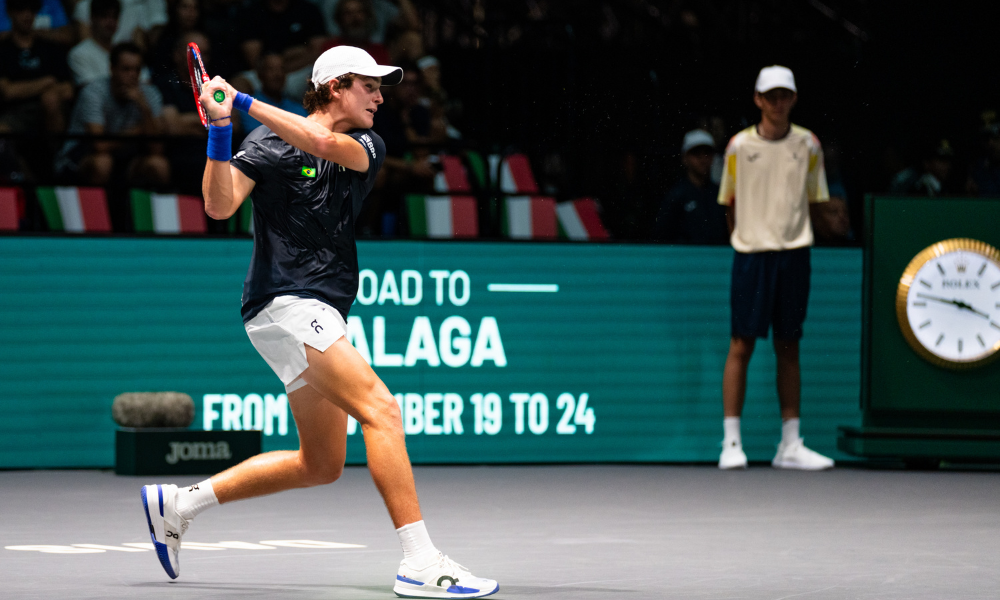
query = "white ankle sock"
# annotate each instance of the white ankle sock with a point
(418, 550)
(731, 429)
(789, 431)
(196, 498)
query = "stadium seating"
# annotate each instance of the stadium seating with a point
(452, 178)
(580, 220)
(529, 218)
(167, 213)
(11, 208)
(516, 177)
(75, 209)
(442, 217)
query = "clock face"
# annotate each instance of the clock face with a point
(948, 303)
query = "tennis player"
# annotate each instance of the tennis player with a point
(309, 177)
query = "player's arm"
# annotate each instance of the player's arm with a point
(309, 136)
(305, 134)
(224, 186)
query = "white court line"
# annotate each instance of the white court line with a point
(523, 287)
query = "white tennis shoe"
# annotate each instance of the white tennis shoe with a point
(732, 456)
(444, 578)
(795, 455)
(166, 526)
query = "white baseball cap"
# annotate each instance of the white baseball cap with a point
(341, 60)
(773, 77)
(696, 138)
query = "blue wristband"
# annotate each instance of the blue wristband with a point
(220, 143)
(243, 101)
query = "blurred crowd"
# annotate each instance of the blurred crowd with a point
(604, 96)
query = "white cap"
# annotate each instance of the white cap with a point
(773, 77)
(341, 60)
(695, 138)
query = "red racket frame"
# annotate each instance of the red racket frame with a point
(199, 77)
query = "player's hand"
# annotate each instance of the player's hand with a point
(208, 99)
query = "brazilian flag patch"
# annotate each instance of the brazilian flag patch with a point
(307, 172)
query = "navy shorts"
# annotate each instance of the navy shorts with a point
(770, 289)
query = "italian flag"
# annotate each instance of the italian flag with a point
(580, 220)
(443, 216)
(11, 206)
(452, 176)
(529, 218)
(75, 210)
(167, 213)
(516, 176)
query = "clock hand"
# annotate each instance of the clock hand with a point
(958, 303)
(969, 308)
(939, 299)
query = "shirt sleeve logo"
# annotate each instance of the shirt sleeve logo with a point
(307, 172)
(367, 139)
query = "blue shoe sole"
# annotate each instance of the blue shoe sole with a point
(495, 590)
(162, 552)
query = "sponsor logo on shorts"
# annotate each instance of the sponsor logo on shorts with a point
(315, 325)
(185, 451)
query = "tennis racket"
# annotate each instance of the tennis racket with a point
(199, 77)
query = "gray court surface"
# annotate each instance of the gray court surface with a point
(546, 532)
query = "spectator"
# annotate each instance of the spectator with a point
(51, 23)
(933, 178)
(291, 28)
(444, 110)
(691, 212)
(180, 115)
(384, 13)
(118, 105)
(984, 175)
(137, 19)
(185, 17)
(407, 169)
(773, 174)
(34, 78)
(405, 45)
(356, 22)
(271, 74)
(89, 60)
(833, 224)
(219, 16)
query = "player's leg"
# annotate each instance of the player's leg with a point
(792, 298)
(749, 300)
(734, 377)
(789, 377)
(342, 376)
(322, 428)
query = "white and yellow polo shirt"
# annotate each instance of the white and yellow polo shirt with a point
(770, 183)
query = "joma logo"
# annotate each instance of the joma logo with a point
(198, 451)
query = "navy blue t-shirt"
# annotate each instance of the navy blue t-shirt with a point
(304, 210)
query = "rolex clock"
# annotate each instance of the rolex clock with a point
(948, 303)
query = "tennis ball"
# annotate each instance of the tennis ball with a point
(219, 96)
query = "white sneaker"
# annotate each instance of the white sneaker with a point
(795, 455)
(732, 456)
(444, 578)
(165, 526)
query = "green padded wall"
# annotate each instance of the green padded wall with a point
(641, 331)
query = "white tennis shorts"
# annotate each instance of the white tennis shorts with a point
(281, 330)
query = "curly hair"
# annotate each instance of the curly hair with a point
(315, 100)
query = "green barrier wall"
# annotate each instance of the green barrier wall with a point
(622, 363)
